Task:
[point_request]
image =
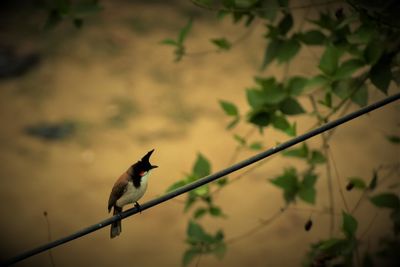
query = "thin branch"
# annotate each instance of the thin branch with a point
(371, 223)
(330, 187)
(338, 180)
(45, 214)
(205, 180)
(325, 147)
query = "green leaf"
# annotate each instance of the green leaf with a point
(347, 68)
(53, 19)
(301, 152)
(373, 51)
(200, 212)
(395, 139)
(290, 106)
(362, 35)
(344, 88)
(260, 118)
(270, 52)
(184, 32)
(192, 197)
(317, 157)
(374, 181)
(195, 232)
(233, 123)
(229, 108)
(386, 200)
(325, 21)
(327, 100)
(256, 146)
(307, 194)
(312, 37)
(360, 97)
(307, 191)
(222, 43)
(222, 181)
(381, 75)
(239, 139)
(220, 250)
(202, 166)
(287, 50)
(273, 95)
(256, 98)
(176, 185)
(285, 24)
(189, 255)
(329, 60)
(202, 190)
(349, 225)
(357, 182)
(296, 85)
(169, 42)
(333, 246)
(266, 82)
(78, 23)
(309, 179)
(215, 211)
(280, 122)
(292, 130)
(289, 183)
(317, 81)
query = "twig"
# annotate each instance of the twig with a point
(338, 180)
(49, 237)
(325, 147)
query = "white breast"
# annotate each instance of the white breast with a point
(133, 194)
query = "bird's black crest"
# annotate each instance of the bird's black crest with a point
(146, 157)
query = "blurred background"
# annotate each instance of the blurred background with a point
(79, 105)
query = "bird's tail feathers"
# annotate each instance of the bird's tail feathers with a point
(116, 227)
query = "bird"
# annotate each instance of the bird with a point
(129, 188)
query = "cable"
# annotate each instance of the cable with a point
(205, 180)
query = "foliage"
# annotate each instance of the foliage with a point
(59, 10)
(357, 49)
(54, 131)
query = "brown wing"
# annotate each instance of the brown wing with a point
(118, 190)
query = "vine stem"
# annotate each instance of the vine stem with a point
(325, 148)
(45, 214)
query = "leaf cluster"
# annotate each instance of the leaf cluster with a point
(60, 10)
(178, 43)
(295, 185)
(200, 242)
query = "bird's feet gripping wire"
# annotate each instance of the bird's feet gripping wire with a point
(138, 207)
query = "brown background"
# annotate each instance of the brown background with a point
(116, 61)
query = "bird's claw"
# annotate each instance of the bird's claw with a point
(138, 207)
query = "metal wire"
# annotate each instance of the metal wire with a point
(205, 180)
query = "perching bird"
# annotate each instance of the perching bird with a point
(129, 188)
